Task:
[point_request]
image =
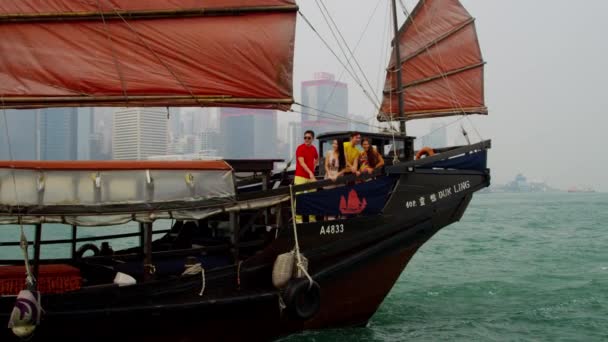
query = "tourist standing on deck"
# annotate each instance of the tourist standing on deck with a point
(335, 163)
(351, 152)
(307, 158)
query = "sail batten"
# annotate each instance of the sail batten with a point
(441, 63)
(437, 76)
(67, 53)
(142, 14)
(436, 41)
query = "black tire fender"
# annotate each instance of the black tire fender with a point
(84, 248)
(302, 299)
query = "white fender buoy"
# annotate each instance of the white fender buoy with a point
(123, 279)
(283, 269)
(26, 314)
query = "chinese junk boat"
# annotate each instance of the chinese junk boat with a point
(232, 264)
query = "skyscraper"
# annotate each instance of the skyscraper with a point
(84, 133)
(102, 127)
(210, 142)
(22, 127)
(58, 134)
(248, 133)
(139, 133)
(325, 103)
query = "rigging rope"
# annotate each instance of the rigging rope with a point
(123, 84)
(352, 55)
(30, 280)
(333, 90)
(338, 120)
(165, 65)
(460, 118)
(338, 58)
(338, 117)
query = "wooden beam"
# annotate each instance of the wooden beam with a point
(143, 14)
(436, 77)
(20, 102)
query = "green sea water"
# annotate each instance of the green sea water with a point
(517, 267)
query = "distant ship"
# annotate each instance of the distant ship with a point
(585, 190)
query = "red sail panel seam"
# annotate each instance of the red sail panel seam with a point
(435, 77)
(436, 41)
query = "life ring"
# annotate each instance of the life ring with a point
(84, 248)
(302, 299)
(425, 151)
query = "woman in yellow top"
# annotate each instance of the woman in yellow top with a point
(369, 159)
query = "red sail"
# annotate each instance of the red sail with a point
(441, 63)
(58, 53)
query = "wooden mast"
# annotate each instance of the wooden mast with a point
(398, 66)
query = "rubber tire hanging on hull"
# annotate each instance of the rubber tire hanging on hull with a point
(302, 299)
(84, 248)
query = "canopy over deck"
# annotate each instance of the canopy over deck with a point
(78, 189)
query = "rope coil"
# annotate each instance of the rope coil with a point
(195, 269)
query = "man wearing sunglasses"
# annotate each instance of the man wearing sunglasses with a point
(307, 159)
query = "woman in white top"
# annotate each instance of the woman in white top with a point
(335, 164)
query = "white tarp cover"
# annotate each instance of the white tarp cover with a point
(118, 190)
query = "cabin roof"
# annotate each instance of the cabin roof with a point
(346, 135)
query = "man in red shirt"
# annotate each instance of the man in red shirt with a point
(307, 159)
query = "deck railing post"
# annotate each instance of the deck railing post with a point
(74, 237)
(235, 227)
(141, 238)
(37, 241)
(265, 183)
(149, 268)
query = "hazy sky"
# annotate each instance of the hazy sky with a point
(546, 73)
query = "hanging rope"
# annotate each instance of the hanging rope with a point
(195, 269)
(30, 280)
(299, 264)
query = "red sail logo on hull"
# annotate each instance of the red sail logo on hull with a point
(354, 205)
